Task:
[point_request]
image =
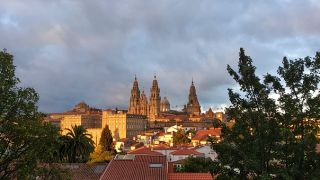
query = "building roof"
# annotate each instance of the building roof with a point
(144, 151)
(186, 152)
(161, 147)
(203, 134)
(86, 171)
(189, 176)
(140, 167)
(80, 171)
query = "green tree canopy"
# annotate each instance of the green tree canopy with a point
(199, 165)
(273, 136)
(217, 123)
(24, 138)
(106, 140)
(76, 145)
(180, 137)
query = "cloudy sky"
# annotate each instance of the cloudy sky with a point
(74, 50)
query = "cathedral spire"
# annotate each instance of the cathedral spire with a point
(155, 99)
(193, 106)
(134, 104)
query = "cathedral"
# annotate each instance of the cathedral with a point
(154, 106)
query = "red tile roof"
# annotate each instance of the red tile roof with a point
(141, 167)
(80, 171)
(161, 147)
(189, 176)
(203, 134)
(186, 152)
(144, 151)
(86, 171)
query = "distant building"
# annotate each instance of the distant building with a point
(201, 137)
(146, 167)
(123, 124)
(81, 114)
(184, 153)
(139, 103)
(193, 105)
(157, 109)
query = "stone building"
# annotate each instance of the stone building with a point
(123, 124)
(193, 105)
(139, 103)
(134, 106)
(156, 109)
(154, 100)
(81, 114)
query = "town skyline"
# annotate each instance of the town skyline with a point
(71, 51)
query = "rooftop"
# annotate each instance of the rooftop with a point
(203, 134)
(144, 151)
(189, 176)
(139, 168)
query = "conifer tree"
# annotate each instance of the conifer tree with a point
(106, 140)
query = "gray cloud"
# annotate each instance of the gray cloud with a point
(90, 50)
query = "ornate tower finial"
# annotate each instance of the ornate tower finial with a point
(154, 76)
(192, 81)
(135, 77)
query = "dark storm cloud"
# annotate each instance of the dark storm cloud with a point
(90, 50)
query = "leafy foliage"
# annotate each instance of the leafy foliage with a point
(216, 123)
(22, 132)
(273, 136)
(99, 155)
(76, 145)
(199, 165)
(299, 102)
(180, 137)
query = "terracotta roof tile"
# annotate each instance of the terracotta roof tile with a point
(141, 167)
(161, 147)
(203, 134)
(189, 176)
(144, 151)
(81, 171)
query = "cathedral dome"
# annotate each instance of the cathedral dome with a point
(165, 101)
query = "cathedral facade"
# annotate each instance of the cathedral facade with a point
(154, 106)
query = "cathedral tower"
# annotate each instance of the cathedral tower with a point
(134, 105)
(154, 99)
(193, 106)
(144, 106)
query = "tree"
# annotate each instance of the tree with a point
(297, 86)
(24, 139)
(199, 165)
(216, 123)
(180, 137)
(273, 136)
(106, 140)
(76, 145)
(250, 144)
(100, 155)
